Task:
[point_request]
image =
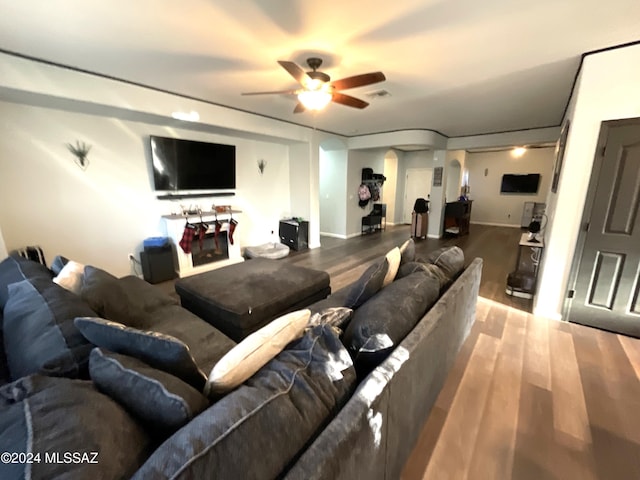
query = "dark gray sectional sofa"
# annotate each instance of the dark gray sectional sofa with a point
(310, 413)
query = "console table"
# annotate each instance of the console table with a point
(374, 221)
(522, 281)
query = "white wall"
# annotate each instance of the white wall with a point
(608, 89)
(390, 188)
(489, 205)
(3, 248)
(359, 159)
(333, 192)
(99, 215)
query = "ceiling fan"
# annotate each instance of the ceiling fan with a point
(318, 89)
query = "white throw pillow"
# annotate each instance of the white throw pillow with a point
(252, 353)
(393, 257)
(71, 277)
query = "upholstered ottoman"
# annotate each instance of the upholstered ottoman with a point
(241, 298)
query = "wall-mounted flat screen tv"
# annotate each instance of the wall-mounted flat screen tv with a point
(520, 183)
(189, 165)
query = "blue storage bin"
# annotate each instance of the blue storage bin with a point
(155, 242)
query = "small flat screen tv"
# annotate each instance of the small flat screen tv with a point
(180, 165)
(520, 183)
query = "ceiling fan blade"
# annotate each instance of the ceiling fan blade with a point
(348, 100)
(358, 80)
(295, 71)
(270, 93)
(299, 108)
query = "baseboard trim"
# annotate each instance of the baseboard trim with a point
(492, 224)
(333, 235)
(433, 235)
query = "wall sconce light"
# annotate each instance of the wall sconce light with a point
(80, 150)
(261, 165)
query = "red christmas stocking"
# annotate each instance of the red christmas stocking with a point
(202, 231)
(216, 232)
(232, 228)
(187, 238)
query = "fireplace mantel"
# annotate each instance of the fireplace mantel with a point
(174, 225)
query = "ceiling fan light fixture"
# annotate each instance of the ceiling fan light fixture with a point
(314, 99)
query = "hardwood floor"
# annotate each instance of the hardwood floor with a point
(345, 260)
(528, 398)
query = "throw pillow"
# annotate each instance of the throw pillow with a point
(368, 284)
(71, 277)
(449, 259)
(109, 299)
(285, 404)
(159, 399)
(58, 264)
(48, 415)
(393, 257)
(160, 351)
(407, 251)
(252, 353)
(15, 268)
(428, 268)
(379, 325)
(335, 316)
(39, 334)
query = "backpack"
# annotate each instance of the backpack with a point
(364, 194)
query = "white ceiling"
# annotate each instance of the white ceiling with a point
(459, 67)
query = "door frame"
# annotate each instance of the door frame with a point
(406, 181)
(590, 200)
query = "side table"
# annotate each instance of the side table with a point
(522, 281)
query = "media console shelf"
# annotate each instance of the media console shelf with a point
(180, 196)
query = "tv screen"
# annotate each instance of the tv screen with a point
(520, 183)
(190, 165)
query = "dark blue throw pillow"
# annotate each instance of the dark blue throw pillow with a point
(158, 350)
(379, 325)
(15, 269)
(257, 430)
(39, 334)
(163, 402)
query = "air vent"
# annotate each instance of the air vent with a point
(378, 94)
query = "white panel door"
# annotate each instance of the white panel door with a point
(417, 185)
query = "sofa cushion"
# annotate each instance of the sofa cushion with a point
(393, 258)
(15, 268)
(380, 324)
(71, 277)
(155, 349)
(449, 259)
(407, 251)
(369, 283)
(163, 402)
(39, 334)
(259, 428)
(252, 353)
(206, 343)
(53, 416)
(5, 376)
